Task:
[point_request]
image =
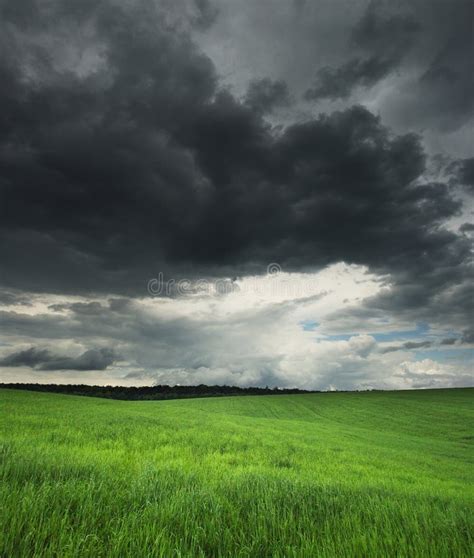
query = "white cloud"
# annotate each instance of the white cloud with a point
(428, 373)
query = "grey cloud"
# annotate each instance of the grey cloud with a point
(409, 345)
(419, 380)
(264, 95)
(390, 34)
(468, 336)
(384, 40)
(43, 359)
(441, 96)
(93, 359)
(449, 341)
(439, 297)
(464, 170)
(42, 326)
(466, 228)
(13, 298)
(30, 357)
(417, 344)
(409, 42)
(338, 83)
(207, 12)
(89, 308)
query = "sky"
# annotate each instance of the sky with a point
(272, 193)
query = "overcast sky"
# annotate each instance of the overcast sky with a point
(237, 192)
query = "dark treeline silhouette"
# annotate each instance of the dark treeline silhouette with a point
(151, 392)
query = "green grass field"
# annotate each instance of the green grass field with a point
(334, 474)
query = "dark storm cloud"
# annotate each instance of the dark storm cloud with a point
(43, 359)
(467, 172)
(121, 156)
(264, 95)
(463, 171)
(383, 41)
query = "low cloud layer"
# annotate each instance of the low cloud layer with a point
(276, 330)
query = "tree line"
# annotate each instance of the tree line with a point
(157, 392)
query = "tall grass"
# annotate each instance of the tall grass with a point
(330, 475)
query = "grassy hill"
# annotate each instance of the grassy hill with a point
(330, 475)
